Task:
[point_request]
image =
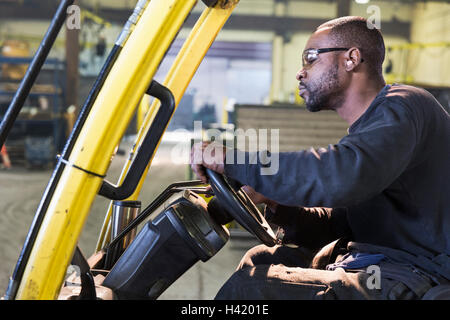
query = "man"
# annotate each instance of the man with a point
(370, 215)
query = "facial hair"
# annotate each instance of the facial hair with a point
(322, 91)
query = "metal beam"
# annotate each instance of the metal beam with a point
(343, 8)
(280, 25)
(72, 69)
(31, 10)
(286, 25)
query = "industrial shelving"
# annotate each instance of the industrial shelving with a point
(39, 133)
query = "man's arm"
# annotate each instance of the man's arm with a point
(360, 166)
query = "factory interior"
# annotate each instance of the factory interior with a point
(246, 81)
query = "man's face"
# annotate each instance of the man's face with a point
(319, 81)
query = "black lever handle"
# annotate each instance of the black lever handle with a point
(147, 148)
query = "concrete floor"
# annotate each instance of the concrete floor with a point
(22, 189)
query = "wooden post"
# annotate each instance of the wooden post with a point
(72, 61)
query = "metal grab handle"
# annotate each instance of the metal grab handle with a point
(147, 148)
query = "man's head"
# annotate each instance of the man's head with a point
(335, 53)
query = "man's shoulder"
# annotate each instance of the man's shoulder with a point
(398, 99)
(407, 94)
(397, 103)
(414, 100)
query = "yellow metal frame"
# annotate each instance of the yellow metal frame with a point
(107, 122)
(109, 117)
(178, 78)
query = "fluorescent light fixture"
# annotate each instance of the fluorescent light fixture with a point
(362, 1)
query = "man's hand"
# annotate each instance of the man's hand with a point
(207, 155)
(258, 198)
(212, 156)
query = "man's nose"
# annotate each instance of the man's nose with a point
(301, 74)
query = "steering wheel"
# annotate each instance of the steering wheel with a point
(241, 208)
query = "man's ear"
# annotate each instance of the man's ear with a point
(353, 58)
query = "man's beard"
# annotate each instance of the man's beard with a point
(321, 92)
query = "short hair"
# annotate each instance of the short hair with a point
(353, 31)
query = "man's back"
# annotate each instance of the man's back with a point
(412, 213)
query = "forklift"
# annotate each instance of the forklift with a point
(179, 227)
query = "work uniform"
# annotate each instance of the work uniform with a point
(383, 190)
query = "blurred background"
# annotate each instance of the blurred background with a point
(247, 81)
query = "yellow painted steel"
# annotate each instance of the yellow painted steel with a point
(98, 20)
(183, 69)
(110, 115)
(418, 45)
(144, 107)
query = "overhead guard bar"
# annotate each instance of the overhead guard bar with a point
(177, 80)
(100, 134)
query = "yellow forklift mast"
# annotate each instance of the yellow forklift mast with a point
(79, 175)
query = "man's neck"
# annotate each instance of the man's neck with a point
(357, 100)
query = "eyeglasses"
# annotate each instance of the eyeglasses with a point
(311, 55)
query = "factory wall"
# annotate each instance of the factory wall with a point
(423, 65)
(431, 24)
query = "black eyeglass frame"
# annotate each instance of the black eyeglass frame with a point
(319, 51)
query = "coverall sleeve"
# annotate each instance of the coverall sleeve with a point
(360, 166)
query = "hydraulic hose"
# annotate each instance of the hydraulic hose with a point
(83, 115)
